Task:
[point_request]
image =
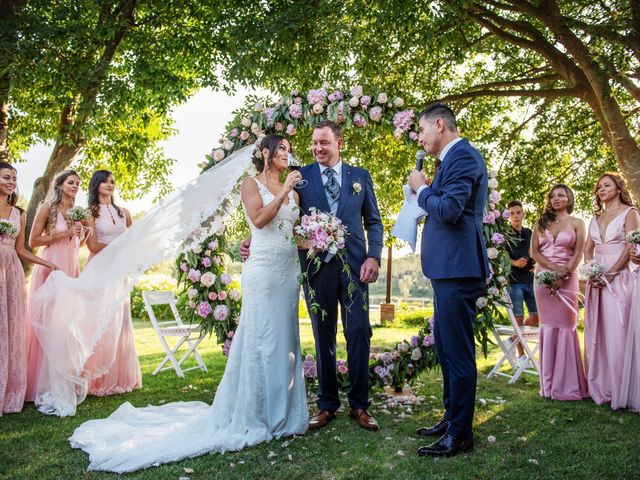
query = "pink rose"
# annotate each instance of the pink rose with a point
(213, 296)
(222, 295)
(244, 135)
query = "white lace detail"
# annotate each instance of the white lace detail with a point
(262, 393)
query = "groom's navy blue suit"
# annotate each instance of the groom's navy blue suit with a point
(454, 258)
(358, 212)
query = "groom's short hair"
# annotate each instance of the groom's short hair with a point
(440, 110)
(335, 128)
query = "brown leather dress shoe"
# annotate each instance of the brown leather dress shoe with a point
(365, 420)
(321, 419)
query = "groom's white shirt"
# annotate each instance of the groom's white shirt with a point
(333, 204)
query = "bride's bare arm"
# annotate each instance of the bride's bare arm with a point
(260, 214)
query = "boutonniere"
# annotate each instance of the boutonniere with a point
(357, 188)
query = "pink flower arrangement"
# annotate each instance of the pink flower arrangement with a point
(506, 214)
(221, 313)
(365, 101)
(184, 267)
(497, 239)
(194, 275)
(279, 126)
(204, 309)
(222, 295)
(234, 295)
(291, 130)
(336, 96)
(494, 196)
(375, 114)
(403, 120)
(324, 230)
(317, 96)
(206, 262)
(234, 132)
(309, 367)
(213, 244)
(244, 135)
(213, 296)
(359, 120)
(226, 346)
(226, 279)
(269, 115)
(295, 111)
(341, 365)
(428, 341)
(488, 218)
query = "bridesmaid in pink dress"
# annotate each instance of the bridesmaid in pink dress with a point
(52, 231)
(630, 387)
(13, 346)
(108, 222)
(607, 304)
(557, 244)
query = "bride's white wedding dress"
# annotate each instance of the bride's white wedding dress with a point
(262, 393)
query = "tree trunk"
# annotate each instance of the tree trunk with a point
(4, 117)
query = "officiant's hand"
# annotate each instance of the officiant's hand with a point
(244, 249)
(369, 271)
(416, 179)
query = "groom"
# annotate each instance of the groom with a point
(454, 257)
(346, 191)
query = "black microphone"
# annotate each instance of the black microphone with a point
(420, 154)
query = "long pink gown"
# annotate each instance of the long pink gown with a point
(63, 253)
(561, 373)
(13, 347)
(123, 373)
(607, 317)
(630, 386)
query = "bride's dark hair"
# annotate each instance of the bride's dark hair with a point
(271, 142)
(549, 214)
(99, 177)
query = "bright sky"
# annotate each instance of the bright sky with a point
(199, 123)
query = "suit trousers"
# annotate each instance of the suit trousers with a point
(455, 313)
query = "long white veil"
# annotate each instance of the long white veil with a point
(71, 315)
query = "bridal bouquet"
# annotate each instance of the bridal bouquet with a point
(324, 231)
(547, 277)
(78, 214)
(592, 271)
(634, 238)
(8, 229)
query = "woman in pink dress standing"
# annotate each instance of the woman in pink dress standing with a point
(607, 301)
(556, 244)
(55, 233)
(13, 345)
(630, 387)
(121, 366)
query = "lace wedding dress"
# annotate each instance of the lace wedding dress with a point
(262, 393)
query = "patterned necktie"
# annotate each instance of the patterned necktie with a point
(332, 187)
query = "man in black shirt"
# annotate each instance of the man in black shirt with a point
(521, 278)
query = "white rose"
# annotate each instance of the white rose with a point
(398, 133)
(416, 354)
(354, 102)
(192, 292)
(197, 249)
(207, 279)
(481, 302)
(493, 173)
(227, 145)
(493, 183)
(501, 279)
(492, 291)
(382, 98)
(398, 102)
(356, 91)
(255, 128)
(318, 108)
(246, 122)
(492, 253)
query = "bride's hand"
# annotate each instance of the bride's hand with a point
(291, 180)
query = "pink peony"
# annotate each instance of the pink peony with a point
(204, 309)
(226, 347)
(497, 239)
(234, 132)
(221, 313)
(359, 120)
(194, 275)
(295, 111)
(317, 96)
(356, 91)
(244, 135)
(365, 101)
(375, 114)
(506, 214)
(335, 96)
(415, 341)
(213, 244)
(291, 130)
(309, 367)
(226, 279)
(279, 127)
(206, 262)
(488, 218)
(428, 340)
(184, 267)
(403, 120)
(494, 196)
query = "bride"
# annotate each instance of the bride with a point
(262, 394)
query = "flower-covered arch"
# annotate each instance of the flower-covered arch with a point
(211, 299)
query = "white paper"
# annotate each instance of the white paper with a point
(406, 226)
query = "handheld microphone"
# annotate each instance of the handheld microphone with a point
(420, 154)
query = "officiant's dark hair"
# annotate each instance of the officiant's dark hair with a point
(271, 142)
(440, 110)
(333, 126)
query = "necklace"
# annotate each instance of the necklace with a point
(113, 220)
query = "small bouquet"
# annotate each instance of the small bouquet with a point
(592, 271)
(78, 214)
(324, 231)
(8, 229)
(634, 238)
(547, 277)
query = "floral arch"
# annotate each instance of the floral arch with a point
(212, 298)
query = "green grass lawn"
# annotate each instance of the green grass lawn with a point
(535, 438)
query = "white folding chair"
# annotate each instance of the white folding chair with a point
(189, 334)
(508, 338)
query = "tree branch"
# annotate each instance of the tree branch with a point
(519, 81)
(539, 93)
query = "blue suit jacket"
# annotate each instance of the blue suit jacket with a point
(452, 242)
(358, 211)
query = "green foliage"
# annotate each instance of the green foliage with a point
(151, 281)
(411, 316)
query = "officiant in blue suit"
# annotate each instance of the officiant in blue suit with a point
(454, 258)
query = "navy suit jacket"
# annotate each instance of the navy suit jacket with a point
(358, 211)
(452, 242)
